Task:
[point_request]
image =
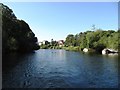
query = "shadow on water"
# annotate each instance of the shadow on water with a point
(9, 61)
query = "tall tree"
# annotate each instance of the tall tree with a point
(70, 40)
(16, 34)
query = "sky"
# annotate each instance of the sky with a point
(55, 20)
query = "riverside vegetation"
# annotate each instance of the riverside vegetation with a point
(95, 41)
(16, 34)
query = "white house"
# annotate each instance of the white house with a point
(40, 43)
(61, 43)
(45, 42)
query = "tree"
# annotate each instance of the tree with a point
(70, 40)
(97, 40)
(90, 39)
(16, 34)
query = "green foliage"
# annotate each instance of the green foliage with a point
(50, 45)
(44, 46)
(83, 41)
(70, 40)
(97, 40)
(16, 34)
(72, 48)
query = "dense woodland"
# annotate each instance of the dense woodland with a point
(16, 34)
(97, 40)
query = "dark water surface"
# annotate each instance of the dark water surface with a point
(60, 69)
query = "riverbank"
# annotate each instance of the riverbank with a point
(69, 48)
(78, 49)
(90, 50)
(72, 48)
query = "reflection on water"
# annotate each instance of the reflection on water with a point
(59, 68)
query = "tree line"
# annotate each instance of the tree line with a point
(16, 34)
(97, 40)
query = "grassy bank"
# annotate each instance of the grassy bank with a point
(68, 48)
(72, 48)
(77, 48)
(49, 47)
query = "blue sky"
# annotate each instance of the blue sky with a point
(57, 20)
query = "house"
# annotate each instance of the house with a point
(45, 42)
(40, 43)
(61, 43)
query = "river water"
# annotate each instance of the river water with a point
(59, 69)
